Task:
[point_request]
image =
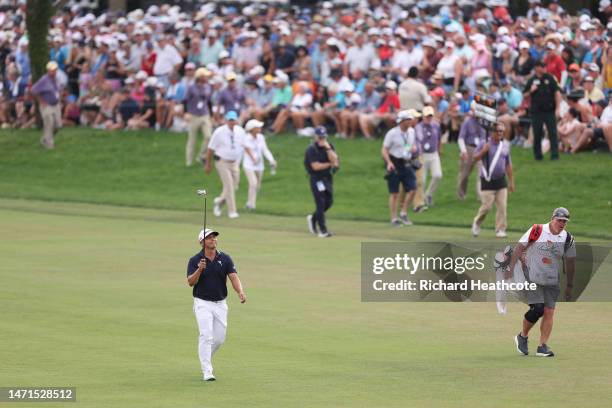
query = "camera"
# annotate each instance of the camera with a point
(415, 164)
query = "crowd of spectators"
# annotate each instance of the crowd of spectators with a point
(349, 69)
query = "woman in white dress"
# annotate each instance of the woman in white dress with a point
(253, 159)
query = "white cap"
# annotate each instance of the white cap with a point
(503, 30)
(141, 75)
(208, 233)
(151, 81)
(347, 87)
(524, 45)
(551, 45)
(355, 98)
(253, 124)
(404, 115)
(586, 26)
(603, 4)
(391, 85)
(224, 54)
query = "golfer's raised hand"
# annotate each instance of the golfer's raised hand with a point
(242, 297)
(202, 264)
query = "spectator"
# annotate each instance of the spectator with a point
(429, 135)
(47, 92)
(253, 162)
(413, 93)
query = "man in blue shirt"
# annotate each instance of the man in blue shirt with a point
(207, 274)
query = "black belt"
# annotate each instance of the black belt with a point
(472, 145)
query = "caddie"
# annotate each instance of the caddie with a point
(541, 251)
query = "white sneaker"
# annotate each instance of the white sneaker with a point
(233, 215)
(209, 377)
(311, 226)
(217, 207)
(501, 234)
(475, 229)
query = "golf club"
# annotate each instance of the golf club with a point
(203, 193)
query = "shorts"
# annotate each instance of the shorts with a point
(406, 178)
(543, 294)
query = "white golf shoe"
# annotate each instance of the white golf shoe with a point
(475, 229)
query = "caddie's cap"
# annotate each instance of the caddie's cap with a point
(561, 213)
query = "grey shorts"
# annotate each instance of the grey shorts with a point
(543, 294)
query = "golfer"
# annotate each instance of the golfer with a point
(541, 251)
(256, 149)
(207, 273)
(320, 161)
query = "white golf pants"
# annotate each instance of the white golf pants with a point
(212, 324)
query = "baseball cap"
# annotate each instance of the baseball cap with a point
(415, 113)
(404, 115)
(437, 92)
(202, 235)
(231, 76)
(428, 111)
(320, 131)
(593, 67)
(231, 115)
(574, 67)
(524, 45)
(253, 124)
(52, 66)
(561, 213)
(588, 79)
(390, 85)
(190, 65)
(551, 46)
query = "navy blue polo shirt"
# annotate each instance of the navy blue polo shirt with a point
(316, 153)
(212, 284)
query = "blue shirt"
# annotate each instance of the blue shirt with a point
(212, 284)
(60, 56)
(514, 97)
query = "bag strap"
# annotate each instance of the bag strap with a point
(535, 233)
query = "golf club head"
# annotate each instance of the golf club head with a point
(202, 193)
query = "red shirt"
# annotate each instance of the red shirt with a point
(555, 66)
(390, 104)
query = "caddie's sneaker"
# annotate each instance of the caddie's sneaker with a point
(544, 351)
(396, 222)
(501, 234)
(209, 377)
(325, 234)
(405, 220)
(217, 207)
(233, 215)
(521, 344)
(475, 229)
(311, 225)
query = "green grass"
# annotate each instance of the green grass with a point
(146, 169)
(95, 297)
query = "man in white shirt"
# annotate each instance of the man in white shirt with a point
(399, 149)
(167, 61)
(226, 146)
(413, 93)
(541, 252)
(359, 56)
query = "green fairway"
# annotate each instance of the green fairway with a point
(146, 169)
(95, 297)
